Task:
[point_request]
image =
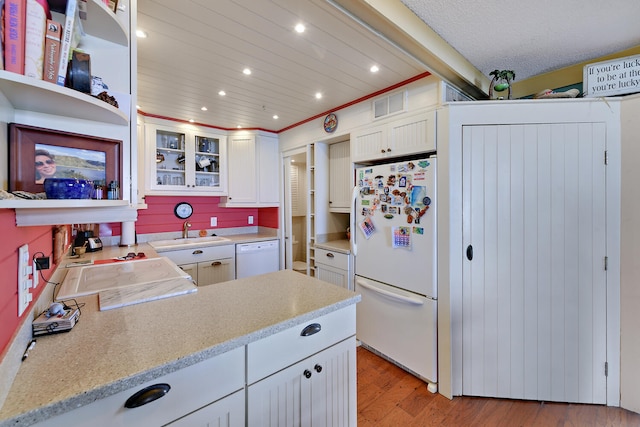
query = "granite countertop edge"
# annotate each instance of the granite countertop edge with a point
(45, 412)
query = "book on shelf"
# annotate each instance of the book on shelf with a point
(36, 21)
(71, 33)
(14, 31)
(52, 51)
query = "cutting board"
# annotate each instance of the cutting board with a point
(136, 294)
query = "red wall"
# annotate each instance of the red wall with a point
(159, 216)
(39, 239)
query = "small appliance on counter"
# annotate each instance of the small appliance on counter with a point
(92, 243)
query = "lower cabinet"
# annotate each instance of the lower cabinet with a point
(227, 412)
(334, 267)
(305, 375)
(208, 265)
(317, 391)
(300, 377)
(218, 381)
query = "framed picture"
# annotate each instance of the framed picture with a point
(37, 153)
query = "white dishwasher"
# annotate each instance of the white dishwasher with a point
(257, 258)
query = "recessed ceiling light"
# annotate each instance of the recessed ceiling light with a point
(191, 120)
(246, 71)
(318, 95)
(374, 69)
(222, 93)
(239, 127)
(203, 108)
(275, 116)
(137, 107)
(299, 28)
(141, 34)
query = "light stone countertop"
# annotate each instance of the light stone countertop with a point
(342, 245)
(111, 351)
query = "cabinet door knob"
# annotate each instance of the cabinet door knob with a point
(330, 255)
(197, 252)
(383, 151)
(216, 263)
(318, 368)
(147, 395)
(307, 373)
(388, 150)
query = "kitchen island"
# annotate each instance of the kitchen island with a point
(114, 351)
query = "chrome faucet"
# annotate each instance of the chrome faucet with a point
(185, 229)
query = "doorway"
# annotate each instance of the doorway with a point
(295, 209)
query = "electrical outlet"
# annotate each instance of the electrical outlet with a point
(214, 221)
(250, 219)
(24, 283)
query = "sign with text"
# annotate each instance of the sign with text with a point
(615, 77)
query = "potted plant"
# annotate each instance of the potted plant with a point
(501, 81)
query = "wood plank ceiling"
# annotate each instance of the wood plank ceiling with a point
(196, 48)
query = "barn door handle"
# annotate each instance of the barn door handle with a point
(469, 252)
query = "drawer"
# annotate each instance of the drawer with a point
(191, 388)
(188, 256)
(332, 258)
(283, 349)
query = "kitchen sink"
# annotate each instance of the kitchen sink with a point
(188, 242)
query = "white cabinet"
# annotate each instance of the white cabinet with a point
(206, 265)
(190, 389)
(305, 375)
(340, 177)
(406, 136)
(227, 412)
(183, 160)
(334, 267)
(317, 391)
(253, 171)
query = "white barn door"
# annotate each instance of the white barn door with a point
(534, 293)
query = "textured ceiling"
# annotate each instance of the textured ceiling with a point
(532, 37)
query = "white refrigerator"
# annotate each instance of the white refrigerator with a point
(393, 229)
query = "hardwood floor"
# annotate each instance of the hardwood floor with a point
(388, 396)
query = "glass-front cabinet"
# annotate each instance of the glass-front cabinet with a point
(184, 160)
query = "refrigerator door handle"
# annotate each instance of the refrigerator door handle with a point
(352, 220)
(390, 295)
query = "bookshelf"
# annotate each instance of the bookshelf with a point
(40, 103)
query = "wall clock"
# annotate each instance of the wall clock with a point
(183, 210)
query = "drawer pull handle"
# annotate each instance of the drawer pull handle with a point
(216, 263)
(197, 252)
(313, 328)
(318, 368)
(147, 395)
(307, 373)
(330, 255)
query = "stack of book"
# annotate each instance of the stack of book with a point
(34, 44)
(63, 322)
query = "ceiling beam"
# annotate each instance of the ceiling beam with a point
(395, 22)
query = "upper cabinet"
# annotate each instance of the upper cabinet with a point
(340, 178)
(406, 136)
(183, 160)
(253, 160)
